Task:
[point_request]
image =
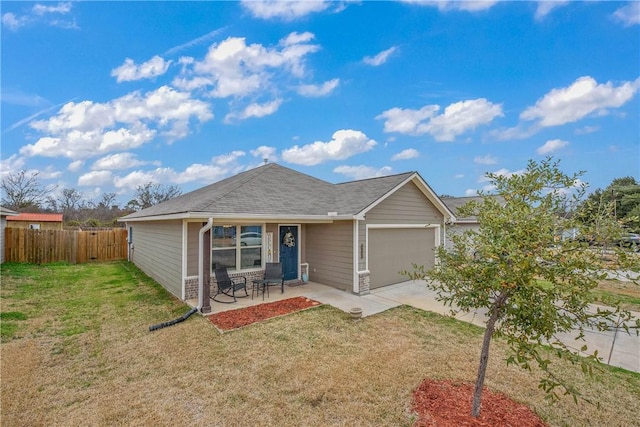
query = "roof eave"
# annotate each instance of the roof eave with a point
(242, 217)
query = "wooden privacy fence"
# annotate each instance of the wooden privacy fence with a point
(73, 246)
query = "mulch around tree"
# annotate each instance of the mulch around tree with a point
(445, 403)
(234, 319)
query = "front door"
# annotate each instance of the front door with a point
(289, 251)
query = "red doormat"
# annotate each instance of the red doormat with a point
(233, 319)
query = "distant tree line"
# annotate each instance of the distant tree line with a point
(22, 192)
(622, 195)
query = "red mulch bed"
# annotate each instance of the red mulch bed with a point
(233, 319)
(448, 404)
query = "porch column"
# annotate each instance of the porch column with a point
(206, 272)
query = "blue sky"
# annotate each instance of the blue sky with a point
(106, 96)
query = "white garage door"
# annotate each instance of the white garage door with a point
(394, 250)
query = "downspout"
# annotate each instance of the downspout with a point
(203, 230)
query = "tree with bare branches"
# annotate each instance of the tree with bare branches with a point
(22, 191)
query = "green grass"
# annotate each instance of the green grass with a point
(76, 350)
(73, 295)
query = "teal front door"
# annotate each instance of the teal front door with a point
(289, 251)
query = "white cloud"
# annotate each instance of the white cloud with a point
(13, 22)
(380, 58)
(195, 42)
(41, 13)
(233, 68)
(344, 144)
(12, 164)
(362, 172)
(457, 118)
(318, 90)
(409, 153)
(459, 176)
(219, 167)
(407, 121)
(446, 5)
(117, 161)
(95, 178)
(86, 129)
(40, 9)
(587, 130)
(49, 173)
(551, 146)
(285, 10)
(75, 166)
(485, 160)
(129, 71)
(545, 7)
(629, 15)
(229, 158)
(265, 152)
(255, 110)
(582, 98)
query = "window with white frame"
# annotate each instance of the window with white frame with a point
(237, 247)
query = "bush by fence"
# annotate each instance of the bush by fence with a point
(73, 246)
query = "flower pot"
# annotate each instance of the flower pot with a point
(356, 313)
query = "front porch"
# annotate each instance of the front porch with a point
(324, 294)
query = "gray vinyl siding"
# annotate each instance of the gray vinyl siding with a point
(193, 229)
(3, 225)
(406, 205)
(456, 229)
(329, 252)
(157, 252)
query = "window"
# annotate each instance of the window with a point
(34, 226)
(237, 247)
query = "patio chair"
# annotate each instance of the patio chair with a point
(273, 275)
(228, 286)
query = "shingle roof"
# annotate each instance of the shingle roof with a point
(276, 190)
(454, 203)
(36, 217)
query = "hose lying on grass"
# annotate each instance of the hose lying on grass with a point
(174, 321)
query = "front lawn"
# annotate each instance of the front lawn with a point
(76, 350)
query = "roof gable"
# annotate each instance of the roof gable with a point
(274, 190)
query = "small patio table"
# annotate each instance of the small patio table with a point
(258, 285)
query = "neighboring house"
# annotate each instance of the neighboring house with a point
(461, 224)
(353, 236)
(36, 221)
(4, 214)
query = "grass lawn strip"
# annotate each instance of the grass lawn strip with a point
(84, 356)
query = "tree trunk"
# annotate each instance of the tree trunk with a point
(484, 354)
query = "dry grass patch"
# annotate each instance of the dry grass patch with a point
(628, 293)
(313, 368)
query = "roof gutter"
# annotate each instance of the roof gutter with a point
(203, 230)
(329, 217)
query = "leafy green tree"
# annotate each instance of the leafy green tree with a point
(533, 284)
(623, 194)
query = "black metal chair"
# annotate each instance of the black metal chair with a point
(273, 275)
(228, 286)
